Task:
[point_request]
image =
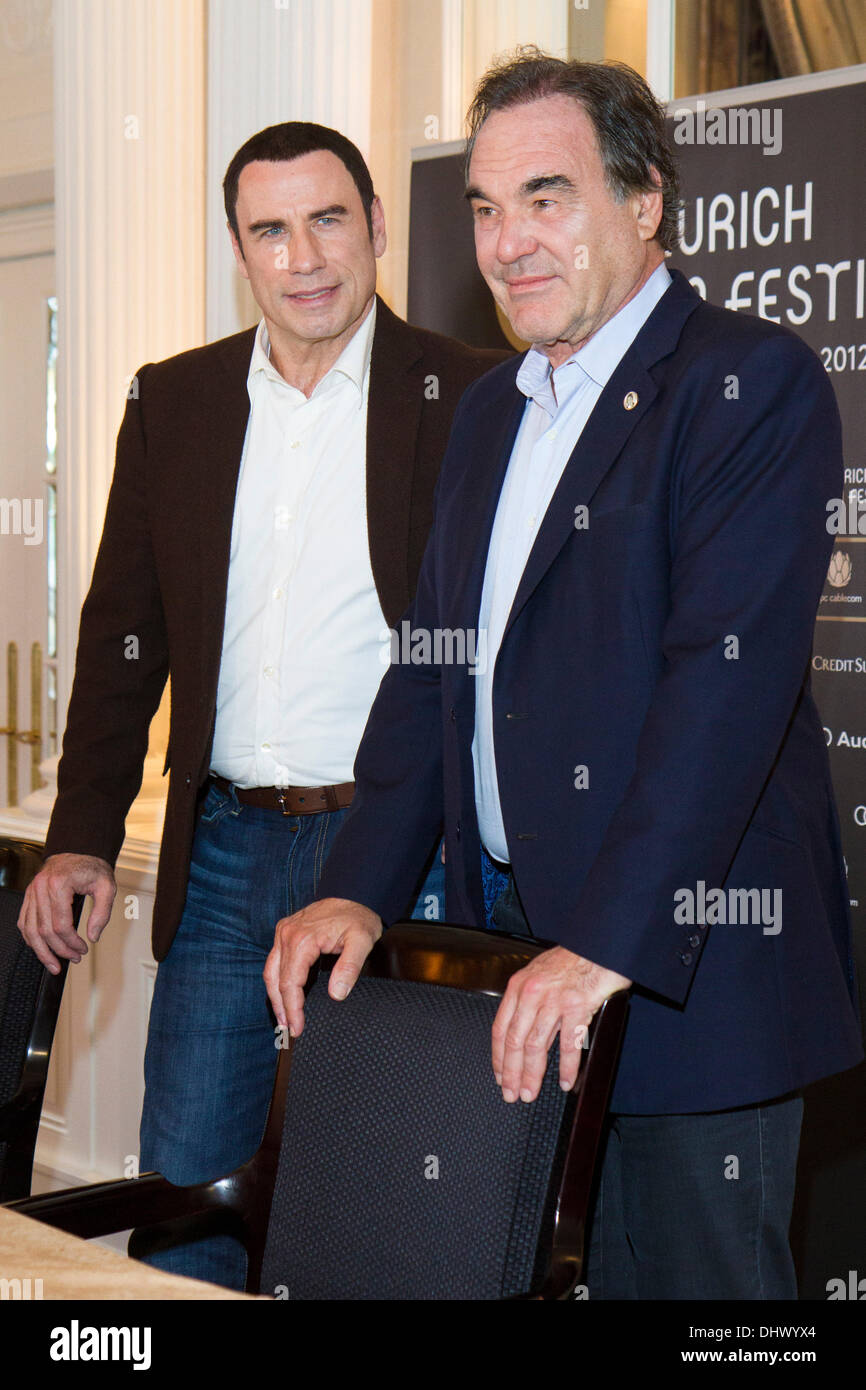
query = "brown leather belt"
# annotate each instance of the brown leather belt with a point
(292, 801)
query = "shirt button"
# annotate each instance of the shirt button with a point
(278, 593)
(266, 748)
(686, 957)
(551, 434)
(295, 444)
(269, 670)
(694, 941)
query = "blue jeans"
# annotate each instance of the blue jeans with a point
(211, 1046)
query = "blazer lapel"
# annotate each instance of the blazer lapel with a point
(603, 437)
(606, 432)
(494, 440)
(228, 408)
(393, 416)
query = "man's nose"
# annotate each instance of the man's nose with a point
(304, 254)
(515, 239)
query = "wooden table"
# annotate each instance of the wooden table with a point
(71, 1268)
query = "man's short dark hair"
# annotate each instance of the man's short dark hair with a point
(629, 122)
(290, 140)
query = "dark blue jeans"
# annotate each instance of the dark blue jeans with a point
(697, 1206)
(211, 1046)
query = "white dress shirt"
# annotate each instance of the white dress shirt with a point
(301, 657)
(559, 403)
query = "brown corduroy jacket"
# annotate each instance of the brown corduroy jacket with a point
(156, 604)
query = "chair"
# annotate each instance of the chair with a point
(29, 1004)
(390, 1167)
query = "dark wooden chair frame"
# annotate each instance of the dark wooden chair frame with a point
(21, 860)
(435, 953)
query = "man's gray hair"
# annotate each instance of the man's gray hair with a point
(629, 122)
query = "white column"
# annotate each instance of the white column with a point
(272, 61)
(453, 106)
(129, 180)
(660, 26)
(494, 27)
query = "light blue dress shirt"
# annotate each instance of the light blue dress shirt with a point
(559, 403)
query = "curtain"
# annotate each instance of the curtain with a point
(811, 35)
(722, 43)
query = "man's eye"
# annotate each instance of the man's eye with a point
(278, 231)
(483, 211)
(544, 202)
(326, 221)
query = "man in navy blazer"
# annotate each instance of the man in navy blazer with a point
(633, 516)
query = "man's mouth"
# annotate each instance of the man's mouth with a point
(314, 296)
(527, 283)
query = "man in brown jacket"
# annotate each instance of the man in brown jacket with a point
(271, 501)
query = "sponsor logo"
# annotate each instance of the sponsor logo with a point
(844, 591)
(848, 665)
(844, 739)
(839, 573)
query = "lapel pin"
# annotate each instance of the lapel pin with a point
(630, 400)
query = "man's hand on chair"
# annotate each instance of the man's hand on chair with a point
(558, 992)
(334, 925)
(45, 920)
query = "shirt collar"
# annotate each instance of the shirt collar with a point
(598, 358)
(353, 362)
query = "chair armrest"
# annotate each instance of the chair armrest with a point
(104, 1207)
(17, 1111)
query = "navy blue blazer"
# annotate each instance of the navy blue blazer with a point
(664, 647)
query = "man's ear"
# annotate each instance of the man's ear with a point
(649, 208)
(377, 217)
(238, 253)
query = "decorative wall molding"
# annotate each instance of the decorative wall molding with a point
(26, 231)
(28, 189)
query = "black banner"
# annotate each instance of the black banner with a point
(775, 224)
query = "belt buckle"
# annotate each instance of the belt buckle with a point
(281, 798)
